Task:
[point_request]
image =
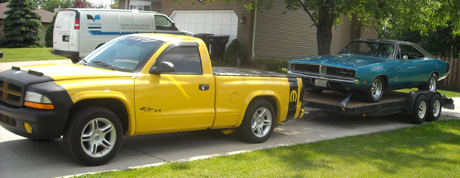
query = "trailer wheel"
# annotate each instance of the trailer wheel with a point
(257, 124)
(93, 136)
(420, 110)
(375, 91)
(434, 108)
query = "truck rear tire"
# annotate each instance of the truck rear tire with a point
(434, 108)
(420, 110)
(75, 60)
(93, 136)
(258, 122)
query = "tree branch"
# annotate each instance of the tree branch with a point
(308, 12)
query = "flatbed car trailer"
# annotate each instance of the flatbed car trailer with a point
(420, 105)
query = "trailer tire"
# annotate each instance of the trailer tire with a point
(434, 108)
(93, 136)
(419, 110)
(258, 122)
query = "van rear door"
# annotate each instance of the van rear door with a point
(64, 35)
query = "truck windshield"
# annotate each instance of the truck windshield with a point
(374, 49)
(127, 53)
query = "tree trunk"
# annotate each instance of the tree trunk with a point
(324, 28)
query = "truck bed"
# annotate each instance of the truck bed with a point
(233, 71)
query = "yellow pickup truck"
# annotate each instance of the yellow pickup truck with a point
(142, 84)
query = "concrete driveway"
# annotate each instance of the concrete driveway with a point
(20, 157)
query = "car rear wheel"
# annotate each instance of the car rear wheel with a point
(431, 84)
(375, 91)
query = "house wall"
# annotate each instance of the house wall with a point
(244, 30)
(291, 34)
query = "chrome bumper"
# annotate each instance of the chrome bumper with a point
(329, 79)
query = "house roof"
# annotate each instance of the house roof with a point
(46, 16)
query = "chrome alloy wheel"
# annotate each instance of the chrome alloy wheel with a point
(98, 137)
(422, 109)
(432, 86)
(261, 122)
(376, 88)
(436, 108)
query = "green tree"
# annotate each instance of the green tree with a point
(416, 15)
(2, 1)
(50, 5)
(49, 33)
(21, 26)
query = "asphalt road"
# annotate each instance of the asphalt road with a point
(21, 157)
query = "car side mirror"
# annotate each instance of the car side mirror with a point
(163, 67)
(405, 57)
(1, 54)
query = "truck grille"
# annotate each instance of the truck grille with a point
(11, 93)
(323, 70)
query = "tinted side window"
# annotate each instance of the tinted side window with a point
(187, 60)
(163, 23)
(411, 52)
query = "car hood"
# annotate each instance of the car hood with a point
(73, 71)
(340, 60)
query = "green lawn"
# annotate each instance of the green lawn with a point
(27, 54)
(429, 150)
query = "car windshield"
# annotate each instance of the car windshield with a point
(126, 53)
(374, 49)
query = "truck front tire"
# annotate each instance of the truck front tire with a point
(93, 136)
(258, 122)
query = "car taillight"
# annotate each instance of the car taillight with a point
(77, 24)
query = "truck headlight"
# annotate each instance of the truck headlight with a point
(37, 101)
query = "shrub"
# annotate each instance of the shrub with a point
(233, 53)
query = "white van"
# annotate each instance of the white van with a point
(77, 32)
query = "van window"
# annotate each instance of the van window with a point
(163, 23)
(186, 60)
(124, 53)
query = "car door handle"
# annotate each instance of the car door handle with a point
(203, 87)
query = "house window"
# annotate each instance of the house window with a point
(141, 5)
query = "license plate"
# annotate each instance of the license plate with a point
(320, 83)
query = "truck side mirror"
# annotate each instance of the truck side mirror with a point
(163, 67)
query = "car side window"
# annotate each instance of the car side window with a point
(163, 23)
(410, 52)
(186, 60)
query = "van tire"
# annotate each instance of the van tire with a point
(75, 59)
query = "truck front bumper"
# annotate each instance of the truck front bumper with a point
(32, 123)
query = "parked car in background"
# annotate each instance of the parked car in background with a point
(77, 32)
(371, 67)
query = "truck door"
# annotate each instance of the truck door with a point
(183, 100)
(64, 24)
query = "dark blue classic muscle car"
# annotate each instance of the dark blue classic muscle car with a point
(371, 67)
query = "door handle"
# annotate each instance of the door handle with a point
(203, 87)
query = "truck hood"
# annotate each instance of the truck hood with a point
(340, 60)
(74, 71)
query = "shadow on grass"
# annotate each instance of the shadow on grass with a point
(422, 147)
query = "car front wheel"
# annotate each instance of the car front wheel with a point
(93, 136)
(375, 91)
